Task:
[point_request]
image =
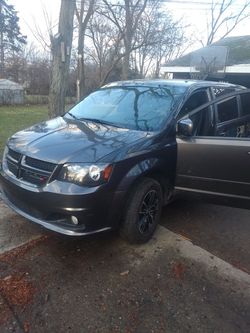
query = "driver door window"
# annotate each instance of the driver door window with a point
(194, 101)
(231, 118)
(203, 122)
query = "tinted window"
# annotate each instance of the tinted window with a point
(139, 108)
(194, 101)
(238, 127)
(234, 130)
(227, 110)
(245, 104)
(229, 124)
(220, 91)
(203, 122)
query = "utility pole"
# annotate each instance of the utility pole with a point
(1, 46)
(61, 45)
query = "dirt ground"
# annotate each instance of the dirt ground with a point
(50, 283)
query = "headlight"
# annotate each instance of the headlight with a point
(86, 174)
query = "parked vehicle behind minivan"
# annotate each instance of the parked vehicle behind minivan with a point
(122, 153)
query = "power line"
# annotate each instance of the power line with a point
(193, 2)
(185, 4)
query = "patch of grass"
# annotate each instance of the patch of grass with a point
(15, 118)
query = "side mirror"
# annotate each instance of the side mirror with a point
(184, 127)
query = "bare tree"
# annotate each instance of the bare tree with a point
(31, 68)
(84, 11)
(156, 37)
(104, 45)
(224, 16)
(163, 40)
(125, 15)
(61, 45)
(43, 33)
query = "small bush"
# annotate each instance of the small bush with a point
(36, 99)
(44, 99)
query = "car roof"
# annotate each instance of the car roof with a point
(165, 82)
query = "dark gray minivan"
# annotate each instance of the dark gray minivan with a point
(123, 152)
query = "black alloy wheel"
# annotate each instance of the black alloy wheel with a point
(148, 211)
(142, 212)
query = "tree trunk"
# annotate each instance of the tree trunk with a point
(125, 63)
(1, 50)
(61, 51)
(80, 81)
(127, 40)
(83, 23)
(1, 56)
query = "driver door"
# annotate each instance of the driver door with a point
(215, 160)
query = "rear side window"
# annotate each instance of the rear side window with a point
(220, 91)
(227, 110)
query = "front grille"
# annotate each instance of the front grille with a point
(13, 167)
(29, 169)
(38, 164)
(34, 176)
(14, 155)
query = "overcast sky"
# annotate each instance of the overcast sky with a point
(31, 14)
(32, 17)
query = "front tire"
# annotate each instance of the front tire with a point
(143, 211)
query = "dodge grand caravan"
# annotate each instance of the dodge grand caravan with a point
(122, 153)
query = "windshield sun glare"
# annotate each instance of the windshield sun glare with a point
(136, 108)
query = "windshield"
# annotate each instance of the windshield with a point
(137, 108)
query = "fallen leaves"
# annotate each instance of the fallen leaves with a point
(240, 266)
(17, 289)
(21, 250)
(178, 270)
(26, 326)
(124, 273)
(184, 237)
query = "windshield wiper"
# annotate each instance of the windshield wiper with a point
(73, 116)
(99, 121)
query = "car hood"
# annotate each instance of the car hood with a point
(62, 140)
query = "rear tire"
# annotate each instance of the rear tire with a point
(143, 211)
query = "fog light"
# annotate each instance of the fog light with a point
(74, 220)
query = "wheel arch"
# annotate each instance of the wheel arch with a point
(165, 181)
(160, 169)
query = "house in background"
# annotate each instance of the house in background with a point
(11, 92)
(227, 60)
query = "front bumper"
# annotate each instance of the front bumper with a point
(97, 209)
